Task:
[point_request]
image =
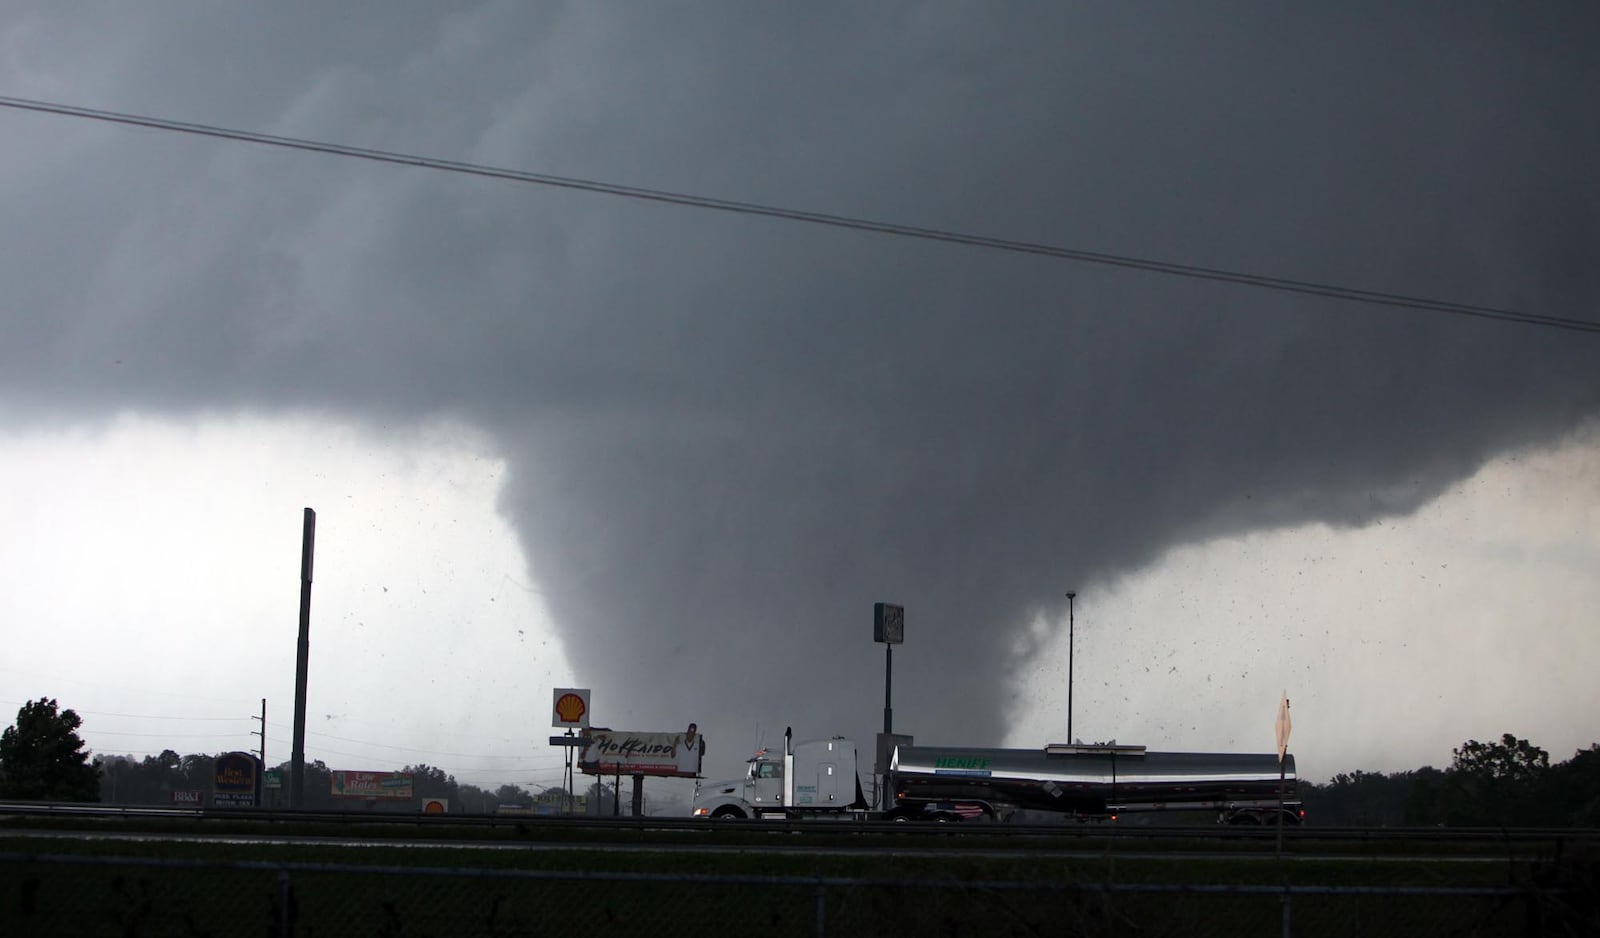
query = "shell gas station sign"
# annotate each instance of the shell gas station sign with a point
(570, 707)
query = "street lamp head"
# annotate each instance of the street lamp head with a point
(1072, 595)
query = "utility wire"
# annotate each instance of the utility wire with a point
(433, 752)
(147, 716)
(163, 735)
(1305, 287)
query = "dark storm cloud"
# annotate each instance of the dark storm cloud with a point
(730, 436)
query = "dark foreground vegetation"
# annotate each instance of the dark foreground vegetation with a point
(743, 878)
(1509, 783)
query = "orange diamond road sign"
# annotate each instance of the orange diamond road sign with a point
(1283, 725)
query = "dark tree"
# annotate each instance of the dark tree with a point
(42, 758)
(1425, 805)
(1575, 787)
(1499, 783)
(1511, 759)
(513, 794)
(603, 798)
(429, 781)
(475, 800)
(1359, 799)
(318, 786)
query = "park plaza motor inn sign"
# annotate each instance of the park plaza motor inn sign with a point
(237, 781)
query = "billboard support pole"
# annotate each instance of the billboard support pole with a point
(569, 780)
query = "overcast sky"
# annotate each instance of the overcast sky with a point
(556, 437)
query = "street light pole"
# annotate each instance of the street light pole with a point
(1070, 598)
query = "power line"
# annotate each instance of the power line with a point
(366, 742)
(429, 752)
(162, 735)
(148, 716)
(1281, 284)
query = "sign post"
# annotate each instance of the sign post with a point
(1282, 725)
(570, 708)
(888, 627)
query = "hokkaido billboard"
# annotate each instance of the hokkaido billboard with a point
(347, 784)
(618, 752)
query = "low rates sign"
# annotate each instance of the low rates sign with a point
(349, 784)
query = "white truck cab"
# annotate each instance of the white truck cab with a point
(817, 776)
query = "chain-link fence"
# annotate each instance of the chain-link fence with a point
(89, 896)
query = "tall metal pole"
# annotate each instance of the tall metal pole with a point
(1070, 598)
(297, 759)
(888, 682)
(888, 720)
(888, 627)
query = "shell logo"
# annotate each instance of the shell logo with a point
(435, 806)
(569, 707)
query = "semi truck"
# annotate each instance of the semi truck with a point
(809, 778)
(819, 778)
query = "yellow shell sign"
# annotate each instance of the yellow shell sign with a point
(571, 707)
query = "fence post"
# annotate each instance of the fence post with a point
(822, 903)
(1285, 901)
(285, 899)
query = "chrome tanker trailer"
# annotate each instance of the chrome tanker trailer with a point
(930, 782)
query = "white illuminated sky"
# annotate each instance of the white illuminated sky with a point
(1395, 642)
(156, 592)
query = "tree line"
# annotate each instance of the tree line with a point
(42, 758)
(1506, 783)
(153, 779)
(1509, 782)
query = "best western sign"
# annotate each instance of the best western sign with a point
(237, 782)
